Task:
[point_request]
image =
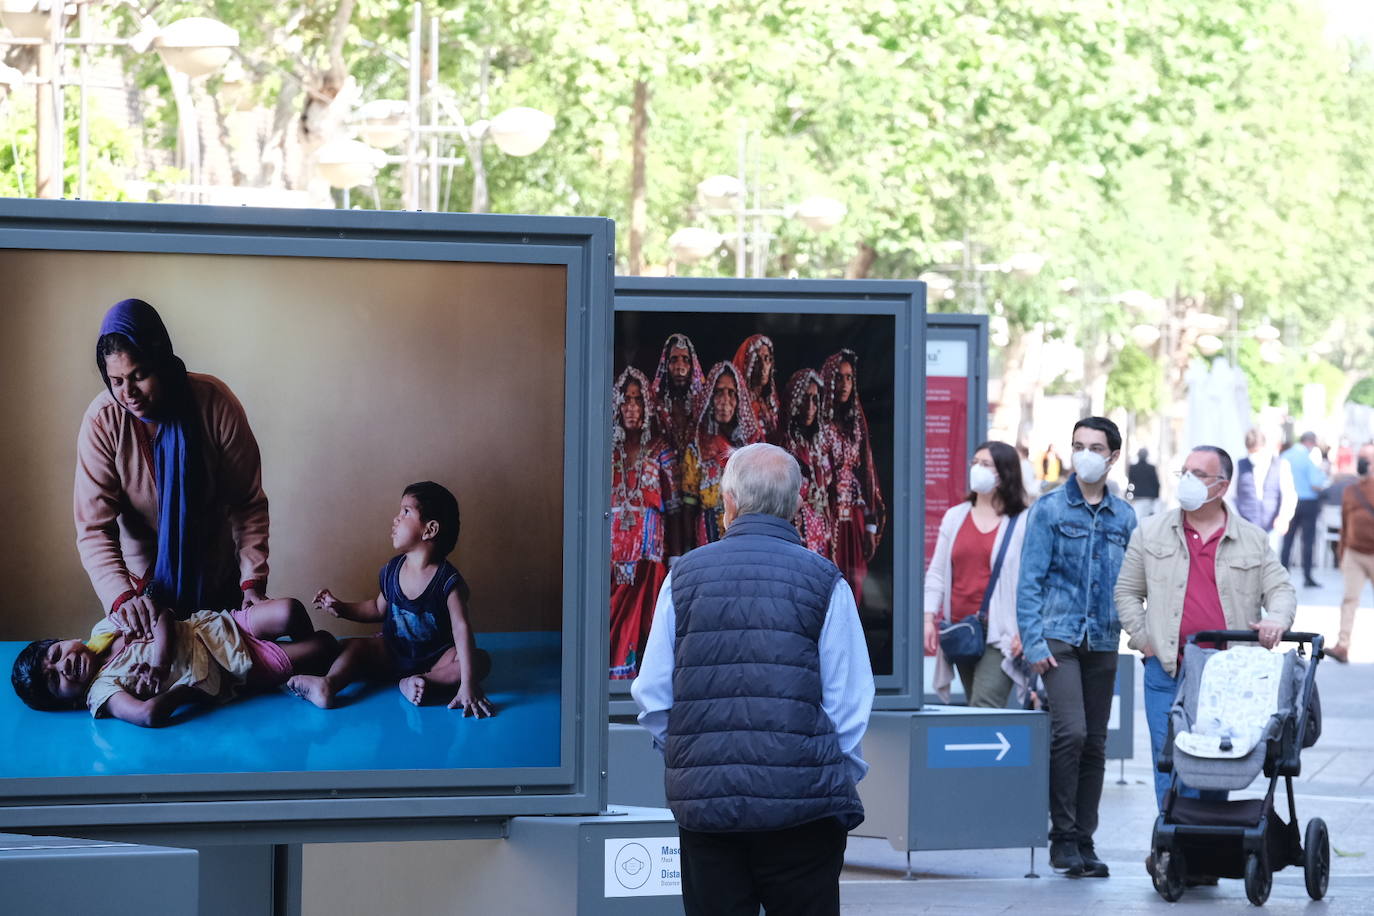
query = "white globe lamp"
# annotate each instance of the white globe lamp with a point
(196, 46)
(691, 244)
(821, 214)
(347, 163)
(520, 131)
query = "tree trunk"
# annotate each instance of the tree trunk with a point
(861, 263)
(1011, 413)
(639, 207)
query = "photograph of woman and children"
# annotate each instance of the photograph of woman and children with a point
(689, 389)
(294, 539)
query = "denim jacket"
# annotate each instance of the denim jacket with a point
(1069, 566)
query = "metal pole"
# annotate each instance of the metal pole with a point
(434, 113)
(47, 122)
(83, 132)
(481, 199)
(743, 194)
(410, 192)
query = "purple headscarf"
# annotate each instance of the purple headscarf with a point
(178, 580)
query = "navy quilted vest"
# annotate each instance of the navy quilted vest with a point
(749, 747)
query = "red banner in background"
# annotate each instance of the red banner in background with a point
(946, 450)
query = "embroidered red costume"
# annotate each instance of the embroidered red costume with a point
(756, 361)
(641, 491)
(808, 439)
(726, 423)
(857, 499)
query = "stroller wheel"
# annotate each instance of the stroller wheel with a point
(1169, 874)
(1316, 858)
(1258, 879)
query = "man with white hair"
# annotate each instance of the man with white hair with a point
(756, 686)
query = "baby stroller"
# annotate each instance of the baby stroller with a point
(1239, 711)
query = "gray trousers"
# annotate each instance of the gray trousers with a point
(1079, 692)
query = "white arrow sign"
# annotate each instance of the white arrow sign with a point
(1002, 746)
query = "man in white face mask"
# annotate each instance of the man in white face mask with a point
(1075, 538)
(1200, 568)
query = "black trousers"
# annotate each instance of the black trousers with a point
(1080, 696)
(1304, 520)
(791, 872)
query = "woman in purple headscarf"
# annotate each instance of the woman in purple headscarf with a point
(168, 501)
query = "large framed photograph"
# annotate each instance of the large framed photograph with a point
(825, 369)
(307, 492)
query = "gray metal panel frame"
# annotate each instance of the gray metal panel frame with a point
(974, 330)
(905, 301)
(584, 246)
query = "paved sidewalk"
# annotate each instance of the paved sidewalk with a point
(1337, 785)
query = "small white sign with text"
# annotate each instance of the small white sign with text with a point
(947, 358)
(643, 867)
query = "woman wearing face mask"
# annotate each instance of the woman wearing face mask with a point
(971, 535)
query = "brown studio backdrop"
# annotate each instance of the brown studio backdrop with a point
(358, 377)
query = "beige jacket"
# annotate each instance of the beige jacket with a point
(1154, 576)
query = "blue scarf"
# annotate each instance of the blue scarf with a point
(178, 579)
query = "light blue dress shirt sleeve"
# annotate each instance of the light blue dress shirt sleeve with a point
(846, 675)
(652, 690)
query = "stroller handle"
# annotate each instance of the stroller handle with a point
(1316, 639)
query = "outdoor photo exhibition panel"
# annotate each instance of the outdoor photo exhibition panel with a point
(368, 351)
(956, 410)
(956, 422)
(830, 370)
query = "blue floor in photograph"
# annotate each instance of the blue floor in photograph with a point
(375, 729)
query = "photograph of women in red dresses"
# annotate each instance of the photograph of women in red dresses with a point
(678, 393)
(641, 491)
(859, 510)
(726, 423)
(808, 439)
(755, 361)
(836, 415)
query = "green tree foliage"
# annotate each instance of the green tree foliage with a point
(1135, 382)
(1200, 149)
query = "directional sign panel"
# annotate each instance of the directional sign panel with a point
(960, 747)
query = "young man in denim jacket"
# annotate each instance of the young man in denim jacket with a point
(1076, 537)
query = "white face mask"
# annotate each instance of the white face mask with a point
(982, 479)
(1089, 466)
(1192, 493)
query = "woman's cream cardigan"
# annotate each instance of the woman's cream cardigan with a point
(1001, 609)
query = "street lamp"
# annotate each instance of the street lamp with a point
(1023, 265)
(387, 123)
(189, 48)
(728, 196)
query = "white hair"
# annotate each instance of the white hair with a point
(765, 479)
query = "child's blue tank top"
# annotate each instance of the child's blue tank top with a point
(418, 630)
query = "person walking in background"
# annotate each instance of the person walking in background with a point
(1051, 467)
(1200, 568)
(1356, 546)
(958, 579)
(756, 686)
(1263, 493)
(1028, 478)
(1144, 485)
(1075, 539)
(1307, 483)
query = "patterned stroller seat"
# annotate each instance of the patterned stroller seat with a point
(1229, 705)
